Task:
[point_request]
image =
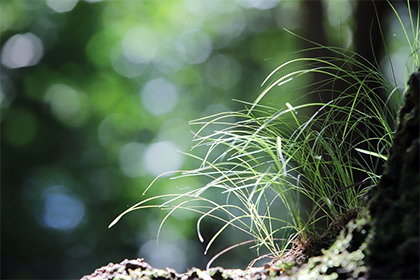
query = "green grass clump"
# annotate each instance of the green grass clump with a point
(326, 152)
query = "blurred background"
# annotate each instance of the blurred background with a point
(96, 97)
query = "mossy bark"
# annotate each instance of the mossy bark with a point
(395, 204)
(382, 243)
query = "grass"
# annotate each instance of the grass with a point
(264, 156)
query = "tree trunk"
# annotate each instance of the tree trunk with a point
(395, 205)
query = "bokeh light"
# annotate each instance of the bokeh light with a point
(62, 6)
(22, 50)
(140, 45)
(67, 104)
(62, 210)
(159, 96)
(162, 157)
(170, 254)
(259, 4)
(198, 44)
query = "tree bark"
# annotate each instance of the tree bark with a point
(395, 204)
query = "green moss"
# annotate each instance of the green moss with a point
(345, 258)
(144, 274)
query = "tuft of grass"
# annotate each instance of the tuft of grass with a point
(265, 155)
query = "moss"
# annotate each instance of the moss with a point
(344, 259)
(155, 274)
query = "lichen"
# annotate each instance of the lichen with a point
(345, 258)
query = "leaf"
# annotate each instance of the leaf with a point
(372, 154)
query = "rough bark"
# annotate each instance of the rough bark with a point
(395, 205)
